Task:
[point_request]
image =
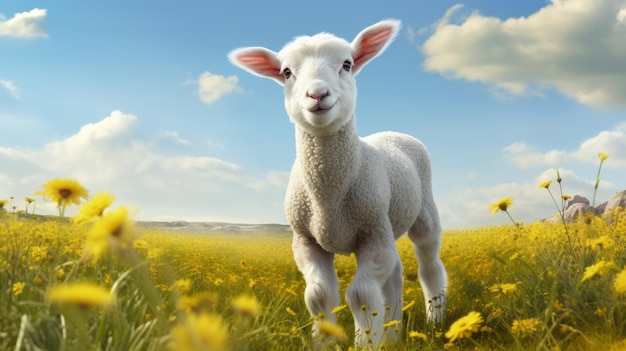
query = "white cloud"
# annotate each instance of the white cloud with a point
(612, 142)
(211, 87)
(24, 24)
(170, 135)
(111, 155)
(470, 207)
(575, 46)
(10, 87)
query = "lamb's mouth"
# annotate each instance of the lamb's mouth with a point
(317, 109)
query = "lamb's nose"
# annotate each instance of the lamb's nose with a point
(317, 95)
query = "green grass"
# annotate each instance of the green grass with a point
(543, 271)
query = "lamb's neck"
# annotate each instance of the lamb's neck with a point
(331, 163)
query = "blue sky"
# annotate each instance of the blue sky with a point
(138, 98)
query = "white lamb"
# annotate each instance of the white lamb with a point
(352, 195)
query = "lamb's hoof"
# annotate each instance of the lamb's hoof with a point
(437, 309)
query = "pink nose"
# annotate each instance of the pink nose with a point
(317, 95)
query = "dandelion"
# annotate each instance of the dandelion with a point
(503, 205)
(200, 332)
(408, 306)
(197, 303)
(619, 284)
(338, 309)
(504, 289)
(64, 192)
(593, 270)
(545, 184)
(246, 306)
(2, 203)
(525, 327)
(328, 328)
(602, 156)
(391, 323)
(29, 200)
(182, 285)
(114, 230)
(602, 242)
(95, 207)
(418, 335)
(81, 294)
(465, 326)
(18, 288)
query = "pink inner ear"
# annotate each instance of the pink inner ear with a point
(261, 63)
(371, 44)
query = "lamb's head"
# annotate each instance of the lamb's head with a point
(318, 73)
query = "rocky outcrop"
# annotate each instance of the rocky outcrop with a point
(579, 207)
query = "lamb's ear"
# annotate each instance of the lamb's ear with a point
(258, 61)
(372, 41)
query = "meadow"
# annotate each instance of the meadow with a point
(98, 282)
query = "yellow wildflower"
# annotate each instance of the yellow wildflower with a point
(200, 332)
(602, 242)
(408, 306)
(64, 192)
(619, 284)
(603, 156)
(545, 184)
(593, 270)
(417, 335)
(501, 205)
(465, 326)
(183, 285)
(328, 328)
(246, 305)
(391, 323)
(114, 230)
(338, 309)
(197, 303)
(504, 289)
(81, 294)
(290, 311)
(95, 207)
(525, 327)
(18, 288)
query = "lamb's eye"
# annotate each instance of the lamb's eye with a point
(287, 73)
(347, 65)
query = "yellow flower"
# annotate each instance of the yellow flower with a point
(2, 203)
(183, 285)
(593, 270)
(200, 332)
(465, 326)
(619, 284)
(525, 327)
(290, 311)
(603, 156)
(566, 197)
(408, 306)
(64, 192)
(197, 303)
(246, 305)
(391, 323)
(504, 289)
(18, 288)
(81, 294)
(418, 335)
(501, 205)
(95, 207)
(338, 309)
(545, 184)
(602, 242)
(114, 230)
(331, 329)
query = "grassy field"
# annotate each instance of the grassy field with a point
(105, 285)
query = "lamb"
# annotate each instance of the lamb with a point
(348, 194)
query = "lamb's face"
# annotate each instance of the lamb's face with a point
(320, 89)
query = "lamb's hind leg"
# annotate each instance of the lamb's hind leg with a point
(426, 237)
(321, 294)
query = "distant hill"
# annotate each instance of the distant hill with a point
(221, 227)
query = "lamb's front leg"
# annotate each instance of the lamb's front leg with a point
(321, 294)
(376, 264)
